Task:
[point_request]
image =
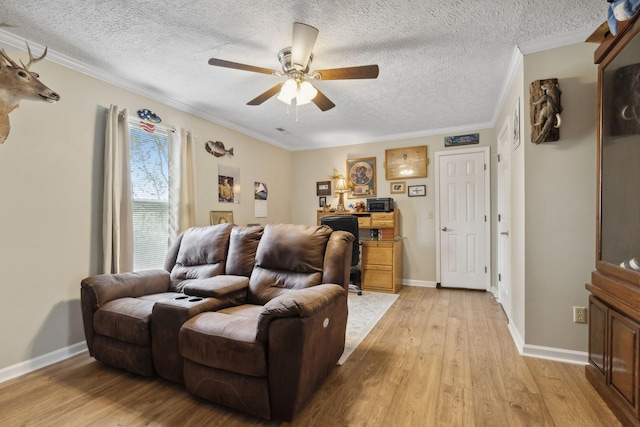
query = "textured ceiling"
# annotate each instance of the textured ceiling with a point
(443, 65)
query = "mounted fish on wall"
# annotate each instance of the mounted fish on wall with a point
(18, 83)
(545, 110)
(217, 149)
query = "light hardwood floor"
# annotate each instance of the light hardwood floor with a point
(437, 358)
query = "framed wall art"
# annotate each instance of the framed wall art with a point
(361, 177)
(417, 190)
(322, 201)
(454, 141)
(221, 217)
(323, 188)
(397, 187)
(407, 162)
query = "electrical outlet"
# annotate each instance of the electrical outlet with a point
(579, 314)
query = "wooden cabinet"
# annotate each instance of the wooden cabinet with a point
(381, 256)
(614, 303)
(382, 265)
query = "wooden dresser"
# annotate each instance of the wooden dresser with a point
(381, 256)
(614, 303)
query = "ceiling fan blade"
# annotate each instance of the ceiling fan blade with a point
(322, 101)
(238, 66)
(361, 72)
(304, 38)
(266, 95)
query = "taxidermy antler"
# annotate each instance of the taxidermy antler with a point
(18, 83)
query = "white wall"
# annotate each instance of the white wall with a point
(51, 201)
(417, 223)
(51, 195)
(560, 201)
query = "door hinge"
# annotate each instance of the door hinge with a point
(485, 166)
(499, 217)
(485, 268)
(485, 218)
(498, 158)
(499, 277)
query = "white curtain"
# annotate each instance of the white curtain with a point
(117, 225)
(181, 182)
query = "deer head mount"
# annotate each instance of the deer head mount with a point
(18, 83)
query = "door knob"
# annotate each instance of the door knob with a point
(446, 229)
(504, 233)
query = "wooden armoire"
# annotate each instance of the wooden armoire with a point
(614, 301)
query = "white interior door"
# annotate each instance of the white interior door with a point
(463, 237)
(504, 203)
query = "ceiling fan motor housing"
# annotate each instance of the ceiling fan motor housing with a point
(284, 56)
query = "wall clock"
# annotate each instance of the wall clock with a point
(407, 162)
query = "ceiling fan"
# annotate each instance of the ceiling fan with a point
(295, 61)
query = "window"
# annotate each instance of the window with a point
(150, 193)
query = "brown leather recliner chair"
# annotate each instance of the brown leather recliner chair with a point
(117, 308)
(268, 356)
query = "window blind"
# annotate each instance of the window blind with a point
(150, 193)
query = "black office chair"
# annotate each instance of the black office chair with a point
(348, 223)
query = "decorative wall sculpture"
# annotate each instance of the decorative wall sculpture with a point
(545, 110)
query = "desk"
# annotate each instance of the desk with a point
(381, 261)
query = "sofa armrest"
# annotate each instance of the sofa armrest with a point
(337, 258)
(108, 287)
(298, 303)
(220, 286)
(305, 331)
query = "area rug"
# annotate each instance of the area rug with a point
(364, 313)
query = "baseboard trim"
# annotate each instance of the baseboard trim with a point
(548, 353)
(36, 363)
(419, 283)
(557, 354)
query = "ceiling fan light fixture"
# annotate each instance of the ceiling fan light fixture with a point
(289, 91)
(303, 92)
(306, 92)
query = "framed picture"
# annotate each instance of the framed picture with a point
(454, 141)
(417, 190)
(361, 177)
(323, 188)
(397, 187)
(322, 201)
(221, 217)
(407, 162)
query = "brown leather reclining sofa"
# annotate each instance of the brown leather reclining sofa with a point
(252, 318)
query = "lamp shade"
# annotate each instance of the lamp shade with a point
(341, 185)
(288, 91)
(306, 92)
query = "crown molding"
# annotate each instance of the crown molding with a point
(554, 42)
(10, 40)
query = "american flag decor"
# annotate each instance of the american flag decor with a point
(148, 127)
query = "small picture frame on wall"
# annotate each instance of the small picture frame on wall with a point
(323, 188)
(221, 217)
(417, 191)
(322, 201)
(397, 187)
